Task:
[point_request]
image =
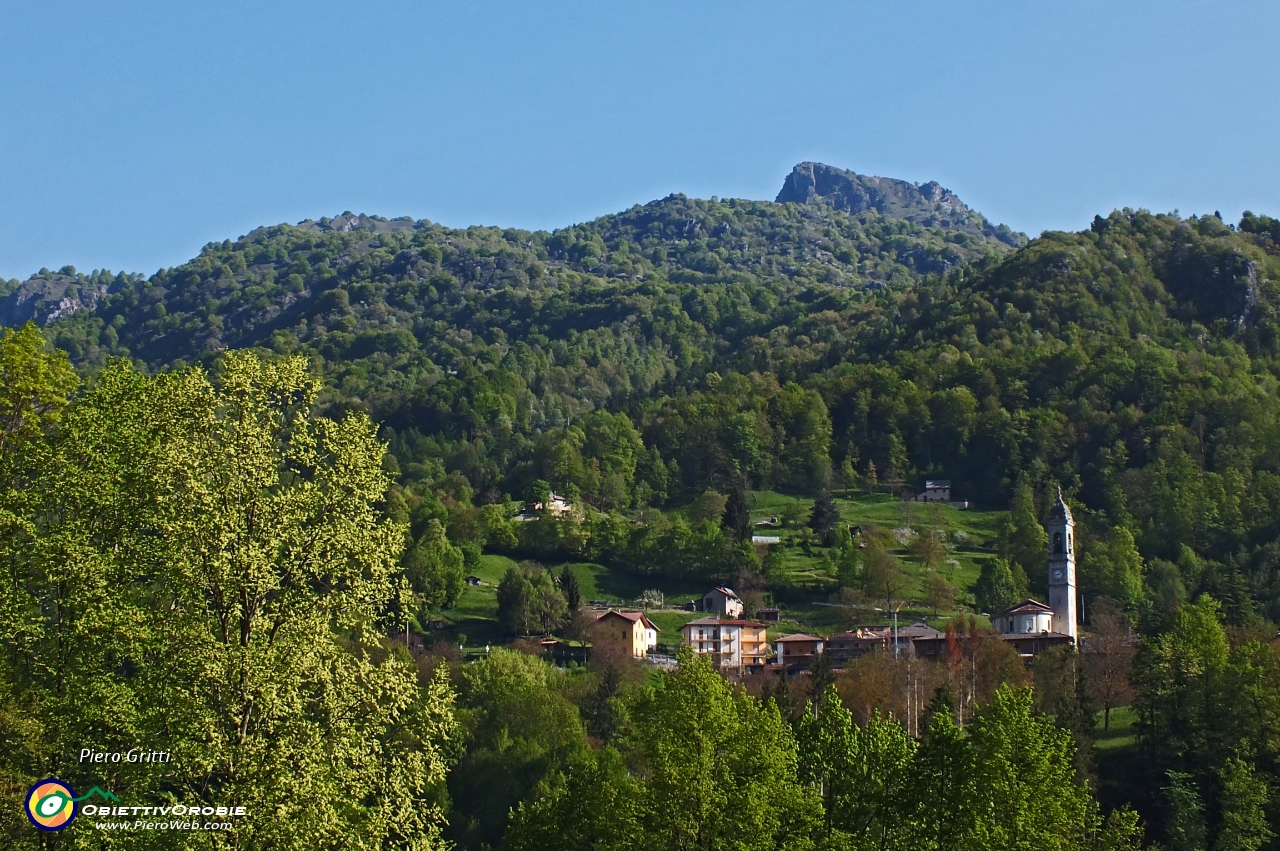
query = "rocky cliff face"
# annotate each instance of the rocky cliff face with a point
(927, 204)
(44, 298)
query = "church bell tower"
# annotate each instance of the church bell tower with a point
(1062, 568)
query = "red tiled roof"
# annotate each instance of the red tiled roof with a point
(634, 617)
(714, 621)
(799, 636)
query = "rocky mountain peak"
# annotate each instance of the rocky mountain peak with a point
(928, 203)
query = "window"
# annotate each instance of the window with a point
(1057, 543)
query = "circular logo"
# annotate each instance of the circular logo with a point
(51, 805)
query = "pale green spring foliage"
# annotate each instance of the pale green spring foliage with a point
(706, 767)
(35, 387)
(1008, 784)
(198, 566)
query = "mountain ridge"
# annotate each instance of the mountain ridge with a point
(818, 242)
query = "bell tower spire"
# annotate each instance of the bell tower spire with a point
(1062, 568)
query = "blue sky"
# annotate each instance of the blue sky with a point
(131, 133)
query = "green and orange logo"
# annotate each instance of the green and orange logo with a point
(51, 804)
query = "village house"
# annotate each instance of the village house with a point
(844, 647)
(722, 601)
(910, 637)
(939, 490)
(935, 490)
(555, 506)
(797, 652)
(918, 639)
(633, 629)
(735, 645)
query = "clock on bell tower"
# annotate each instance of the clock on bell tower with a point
(1062, 568)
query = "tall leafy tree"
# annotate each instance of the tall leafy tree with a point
(200, 566)
(529, 601)
(1185, 828)
(943, 796)
(34, 387)
(721, 768)
(593, 804)
(1115, 569)
(1108, 655)
(521, 726)
(1244, 809)
(1024, 765)
(435, 567)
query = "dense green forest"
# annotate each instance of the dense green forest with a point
(642, 358)
(647, 365)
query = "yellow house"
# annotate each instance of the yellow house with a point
(633, 629)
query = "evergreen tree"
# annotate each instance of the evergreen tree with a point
(825, 515)
(943, 700)
(570, 589)
(737, 513)
(1023, 541)
(821, 676)
(435, 568)
(994, 591)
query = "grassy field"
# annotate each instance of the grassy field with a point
(476, 614)
(1122, 765)
(970, 536)
(1123, 732)
(806, 603)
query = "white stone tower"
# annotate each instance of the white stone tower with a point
(1062, 568)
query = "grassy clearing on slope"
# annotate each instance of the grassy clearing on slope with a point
(807, 601)
(1123, 732)
(617, 587)
(810, 568)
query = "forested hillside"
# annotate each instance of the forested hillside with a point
(658, 368)
(796, 345)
